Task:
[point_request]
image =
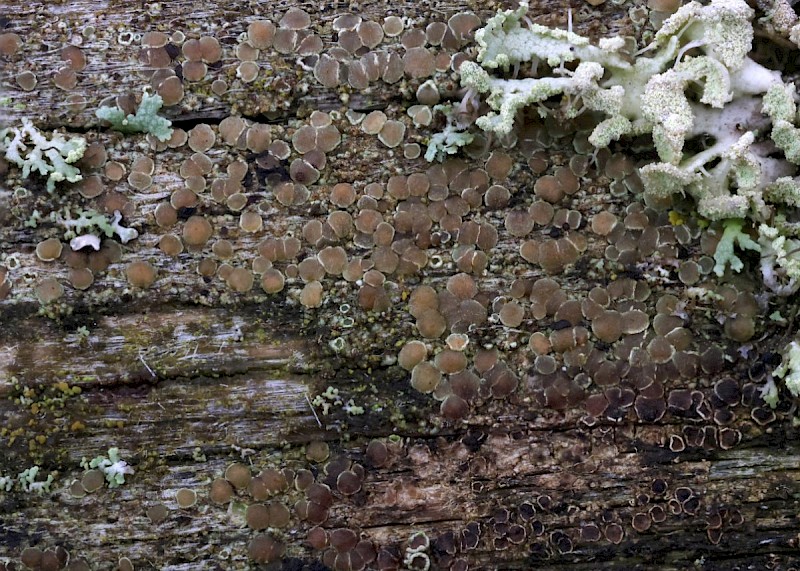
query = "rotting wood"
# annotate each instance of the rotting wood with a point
(186, 378)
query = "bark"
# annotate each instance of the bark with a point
(186, 377)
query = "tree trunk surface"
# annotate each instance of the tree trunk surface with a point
(189, 376)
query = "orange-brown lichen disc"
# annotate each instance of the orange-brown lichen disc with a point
(245, 51)
(660, 350)
(143, 164)
(31, 557)
(608, 326)
(49, 290)
(343, 194)
(425, 377)
(49, 250)
(170, 244)
(326, 71)
(497, 197)
(413, 38)
(140, 274)
(240, 280)
(311, 294)
(349, 41)
(462, 24)
(519, 223)
(374, 122)
(740, 328)
(192, 50)
(231, 128)
(539, 343)
(310, 45)
(81, 278)
(318, 451)
(93, 480)
(367, 220)
(304, 139)
(178, 138)
(194, 70)
(462, 286)
(196, 231)
(450, 362)
(393, 26)
(542, 212)
(328, 138)
(422, 299)
(454, 408)
(250, 221)
(186, 498)
(634, 321)
(264, 548)
(333, 259)
(511, 314)
(412, 353)
(419, 62)
(311, 269)
(279, 515)
(285, 41)
(260, 34)
(257, 517)
(431, 324)
(238, 475)
(210, 50)
(603, 223)
(219, 87)
(26, 80)
(295, 19)
(221, 491)
(10, 43)
(156, 514)
(498, 166)
(74, 57)
(154, 39)
(183, 198)
(65, 78)
(259, 139)
(165, 215)
(371, 34)
(201, 138)
(392, 133)
(140, 180)
(548, 188)
(435, 33)
(348, 483)
(247, 71)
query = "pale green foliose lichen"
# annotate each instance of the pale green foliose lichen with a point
(700, 48)
(789, 369)
(112, 466)
(452, 138)
(29, 484)
(146, 119)
(32, 151)
(732, 236)
(86, 229)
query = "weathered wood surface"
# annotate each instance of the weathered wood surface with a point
(187, 376)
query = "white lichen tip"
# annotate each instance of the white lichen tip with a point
(30, 150)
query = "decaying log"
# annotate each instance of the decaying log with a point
(188, 376)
